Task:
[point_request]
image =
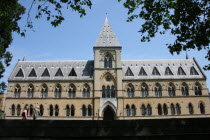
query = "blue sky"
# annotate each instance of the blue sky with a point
(75, 37)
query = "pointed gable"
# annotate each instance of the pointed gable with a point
(32, 73)
(59, 72)
(155, 71)
(168, 71)
(181, 71)
(129, 72)
(107, 37)
(20, 73)
(142, 72)
(72, 73)
(46, 73)
(193, 71)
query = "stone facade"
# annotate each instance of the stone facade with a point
(2, 101)
(109, 88)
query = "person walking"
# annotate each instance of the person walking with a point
(25, 113)
(36, 113)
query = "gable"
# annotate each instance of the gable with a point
(32, 73)
(20, 73)
(72, 72)
(46, 73)
(59, 72)
(129, 72)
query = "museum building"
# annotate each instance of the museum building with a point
(108, 88)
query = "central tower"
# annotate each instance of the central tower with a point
(107, 71)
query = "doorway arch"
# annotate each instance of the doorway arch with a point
(109, 114)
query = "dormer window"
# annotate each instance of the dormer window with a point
(20, 73)
(129, 72)
(193, 71)
(155, 71)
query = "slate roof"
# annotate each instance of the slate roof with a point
(107, 37)
(83, 69)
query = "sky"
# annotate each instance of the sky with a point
(75, 37)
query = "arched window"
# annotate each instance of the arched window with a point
(159, 109)
(72, 91)
(67, 110)
(89, 110)
(143, 110)
(130, 90)
(133, 110)
(51, 110)
(197, 89)
(181, 71)
(171, 90)
(31, 108)
(144, 90)
(173, 109)
(158, 90)
(113, 92)
(108, 61)
(193, 71)
(103, 91)
(191, 110)
(17, 91)
(128, 110)
(30, 91)
(58, 91)
(202, 108)
(86, 91)
(84, 112)
(108, 91)
(149, 110)
(18, 110)
(41, 110)
(72, 110)
(56, 110)
(165, 109)
(185, 89)
(178, 109)
(44, 91)
(13, 110)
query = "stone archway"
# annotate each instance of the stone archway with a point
(109, 114)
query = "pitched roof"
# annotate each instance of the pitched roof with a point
(107, 37)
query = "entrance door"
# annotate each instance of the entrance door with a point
(108, 114)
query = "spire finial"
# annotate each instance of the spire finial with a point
(24, 58)
(187, 55)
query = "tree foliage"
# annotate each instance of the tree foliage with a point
(187, 20)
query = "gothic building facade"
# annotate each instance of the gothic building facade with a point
(108, 88)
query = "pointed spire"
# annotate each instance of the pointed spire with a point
(24, 58)
(107, 37)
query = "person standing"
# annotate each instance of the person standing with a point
(36, 113)
(25, 113)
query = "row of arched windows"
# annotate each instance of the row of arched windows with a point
(57, 91)
(162, 109)
(158, 90)
(53, 110)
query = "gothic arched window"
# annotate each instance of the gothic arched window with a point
(44, 91)
(30, 91)
(89, 110)
(168, 71)
(144, 90)
(128, 110)
(185, 89)
(165, 109)
(193, 71)
(84, 110)
(18, 110)
(113, 92)
(31, 108)
(13, 110)
(108, 61)
(56, 110)
(130, 90)
(202, 108)
(173, 109)
(181, 71)
(158, 90)
(72, 110)
(197, 89)
(149, 110)
(143, 110)
(178, 109)
(171, 90)
(41, 110)
(191, 110)
(72, 91)
(133, 110)
(58, 91)
(17, 91)
(67, 110)
(51, 110)
(159, 109)
(86, 91)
